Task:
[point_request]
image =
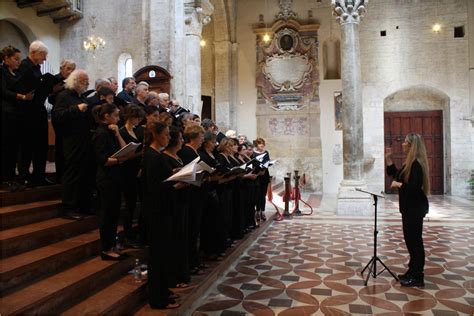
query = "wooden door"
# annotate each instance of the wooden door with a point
(157, 77)
(429, 124)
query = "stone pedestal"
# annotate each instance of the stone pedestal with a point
(351, 202)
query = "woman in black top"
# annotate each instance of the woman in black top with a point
(11, 115)
(250, 186)
(194, 135)
(179, 207)
(157, 205)
(106, 141)
(412, 182)
(131, 132)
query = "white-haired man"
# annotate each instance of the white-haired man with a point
(163, 102)
(71, 115)
(34, 141)
(141, 93)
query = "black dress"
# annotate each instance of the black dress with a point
(238, 206)
(263, 182)
(225, 193)
(109, 184)
(179, 207)
(414, 206)
(130, 169)
(156, 204)
(187, 155)
(79, 164)
(212, 230)
(58, 141)
(11, 124)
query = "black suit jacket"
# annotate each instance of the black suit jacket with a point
(412, 199)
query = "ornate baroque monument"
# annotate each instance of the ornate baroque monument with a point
(350, 202)
(287, 79)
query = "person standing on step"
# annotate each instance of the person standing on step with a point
(70, 116)
(156, 201)
(107, 141)
(412, 182)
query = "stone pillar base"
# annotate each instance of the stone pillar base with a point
(351, 202)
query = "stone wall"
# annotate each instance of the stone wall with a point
(411, 54)
(121, 24)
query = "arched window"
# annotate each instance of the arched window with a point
(125, 67)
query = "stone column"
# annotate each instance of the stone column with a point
(223, 84)
(197, 13)
(351, 202)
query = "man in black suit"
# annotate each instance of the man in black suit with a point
(71, 114)
(34, 138)
(128, 88)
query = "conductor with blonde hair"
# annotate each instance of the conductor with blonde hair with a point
(412, 182)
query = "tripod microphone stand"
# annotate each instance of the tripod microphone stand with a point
(372, 265)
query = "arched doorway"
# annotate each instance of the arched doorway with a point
(423, 110)
(11, 34)
(157, 77)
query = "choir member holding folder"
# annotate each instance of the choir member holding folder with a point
(132, 133)
(262, 157)
(107, 141)
(194, 135)
(156, 203)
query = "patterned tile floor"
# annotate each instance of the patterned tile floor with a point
(311, 266)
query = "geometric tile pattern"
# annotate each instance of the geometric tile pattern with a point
(302, 267)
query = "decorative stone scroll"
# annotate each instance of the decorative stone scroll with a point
(287, 76)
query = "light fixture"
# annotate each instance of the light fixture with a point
(203, 43)
(437, 28)
(93, 43)
(266, 38)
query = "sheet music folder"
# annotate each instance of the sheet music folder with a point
(370, 192)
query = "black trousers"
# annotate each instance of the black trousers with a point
(212, 236)
(58, 153)
(79, 174)
(412, 232)
(34, 146)
(130, 193)
(262, 196)
(10, 138)
(109, 213)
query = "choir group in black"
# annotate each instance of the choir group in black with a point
(181, 223)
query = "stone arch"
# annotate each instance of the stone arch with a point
(425, 98)
(16, 33)
(221, 21)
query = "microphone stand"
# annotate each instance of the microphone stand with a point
(372, 265)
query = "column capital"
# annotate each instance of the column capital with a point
(197, 14)
(349, 11)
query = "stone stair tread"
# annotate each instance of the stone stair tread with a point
(14, 262)
(41, 290)
(6, 210)
(31, 228)
(102, 301)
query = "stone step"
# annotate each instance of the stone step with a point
(24, 238)
(59, 292)
(23, 214)
(50, 192)
(19, 271)
(120, 298)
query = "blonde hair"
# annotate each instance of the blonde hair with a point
(417, 152)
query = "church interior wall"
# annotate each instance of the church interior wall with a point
(412, 55)
(34, 28)
(208, 62)
(121, 27)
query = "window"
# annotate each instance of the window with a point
(459, 31)
(125, 67)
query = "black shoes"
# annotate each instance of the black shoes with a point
(73, 215)
(412, 282)
(107, 257)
